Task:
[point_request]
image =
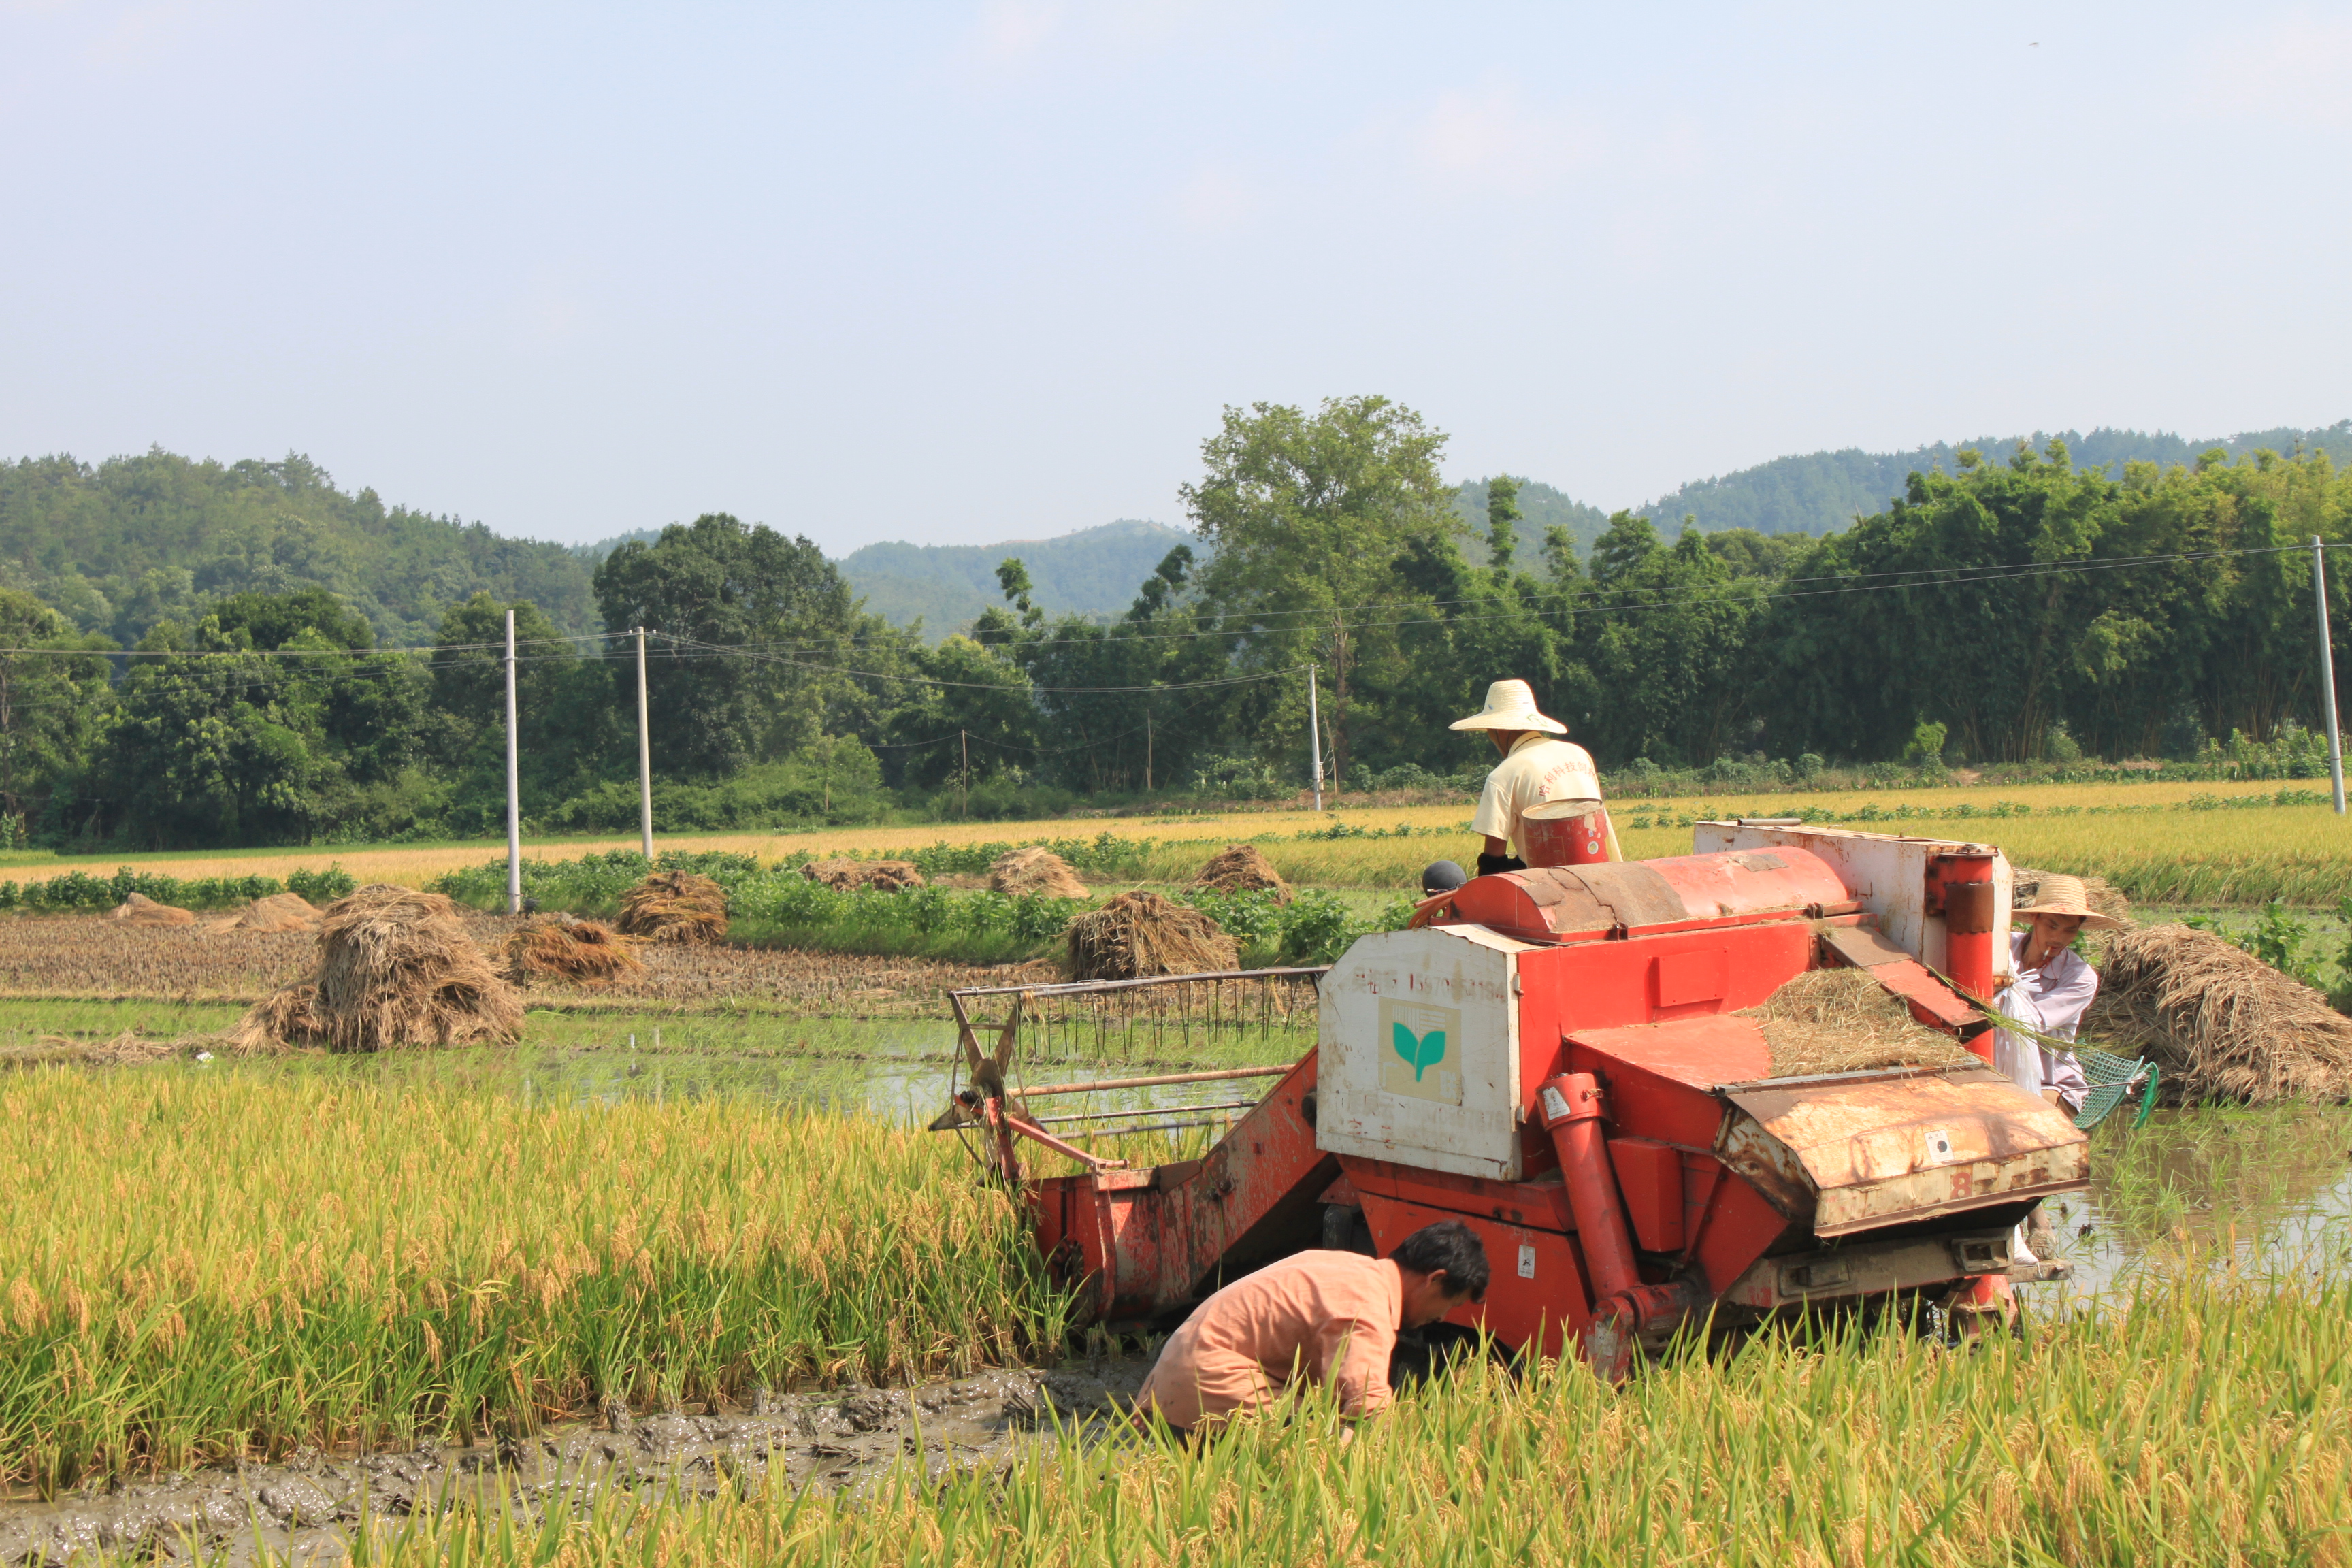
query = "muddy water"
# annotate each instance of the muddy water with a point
(307, 1508)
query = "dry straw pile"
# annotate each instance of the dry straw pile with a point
(1841, 1020)
(139, 909)
(395, 968)
(2218, 1021)
(559, 947)
(1035, 871)
(863, 876)
(1139, 934)
(278, 911)
(1241, 868)
(674, 906)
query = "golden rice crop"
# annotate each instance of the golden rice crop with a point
(2208, 1421)
(200, 1262)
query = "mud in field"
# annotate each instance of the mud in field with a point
(305, 1508)
(90, 956)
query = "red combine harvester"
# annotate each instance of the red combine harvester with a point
(1553, 1058)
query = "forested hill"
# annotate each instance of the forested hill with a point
(1821, 492)
(1095, 571)
(132, 541)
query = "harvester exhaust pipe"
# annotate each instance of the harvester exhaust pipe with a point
(1623, 1308)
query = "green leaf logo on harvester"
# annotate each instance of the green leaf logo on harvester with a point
(1420, 1052)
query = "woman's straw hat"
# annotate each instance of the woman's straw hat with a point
(1510, 705)
(2064, 895)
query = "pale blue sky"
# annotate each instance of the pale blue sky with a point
(965, 273)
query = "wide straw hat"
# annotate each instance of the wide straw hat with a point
(1510, 705)
(2064, 895)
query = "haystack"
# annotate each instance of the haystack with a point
(2218, 1021)
(1841, 1020)
(1139, 934)
(395, 968)
(1035, 871)
(559, 947)
(863, 876)
(278, 911)
(674, 906)
(1241, 868)
(139, 909)
(2097, 892)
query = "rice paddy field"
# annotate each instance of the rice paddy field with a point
(688, 1190)
(2183, 843)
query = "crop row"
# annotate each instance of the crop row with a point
(258, 1258)
(81, 890)
(778, 903)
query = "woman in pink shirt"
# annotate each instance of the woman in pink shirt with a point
(1330, 1318)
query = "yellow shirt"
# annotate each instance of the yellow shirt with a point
(1539, 770)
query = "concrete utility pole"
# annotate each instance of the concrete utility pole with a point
(2327, 673)
(645, 756)
(1315, 736)
(514, 787)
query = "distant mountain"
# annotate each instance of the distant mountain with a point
(122, 544)
(1094, 572)
(1821, 492)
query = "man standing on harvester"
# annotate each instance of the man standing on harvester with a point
(1543, 789)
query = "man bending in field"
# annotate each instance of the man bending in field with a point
(1330, 1318)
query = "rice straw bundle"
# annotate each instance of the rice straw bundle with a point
(1138, 934)
(139, 909)
(278, 911)
(559, 947)
(863, 876)
(674, 906)
(1242, 869)
(1035, 871)
(2218, 1021)
(395, 968)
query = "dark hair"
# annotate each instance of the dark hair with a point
(1440, 876)
(1451, 1246)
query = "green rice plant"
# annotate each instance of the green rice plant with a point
(206, 1261)
(2201, 1420)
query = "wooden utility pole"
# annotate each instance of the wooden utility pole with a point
(963, 779)
(1315, 736)
(514, 787)
(645, 757)
(2327, 674)
(1147, 751)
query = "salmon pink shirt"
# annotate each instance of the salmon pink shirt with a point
(1326, 1316)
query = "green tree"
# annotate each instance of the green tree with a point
(53, 692)
(1502, 515)
(1310, 517)
(756, 629)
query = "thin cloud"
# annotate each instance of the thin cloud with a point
(2297, 68)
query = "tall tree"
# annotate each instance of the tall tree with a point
(784, 617)
(1309, 517)
(1502, 517)
(53, 690)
